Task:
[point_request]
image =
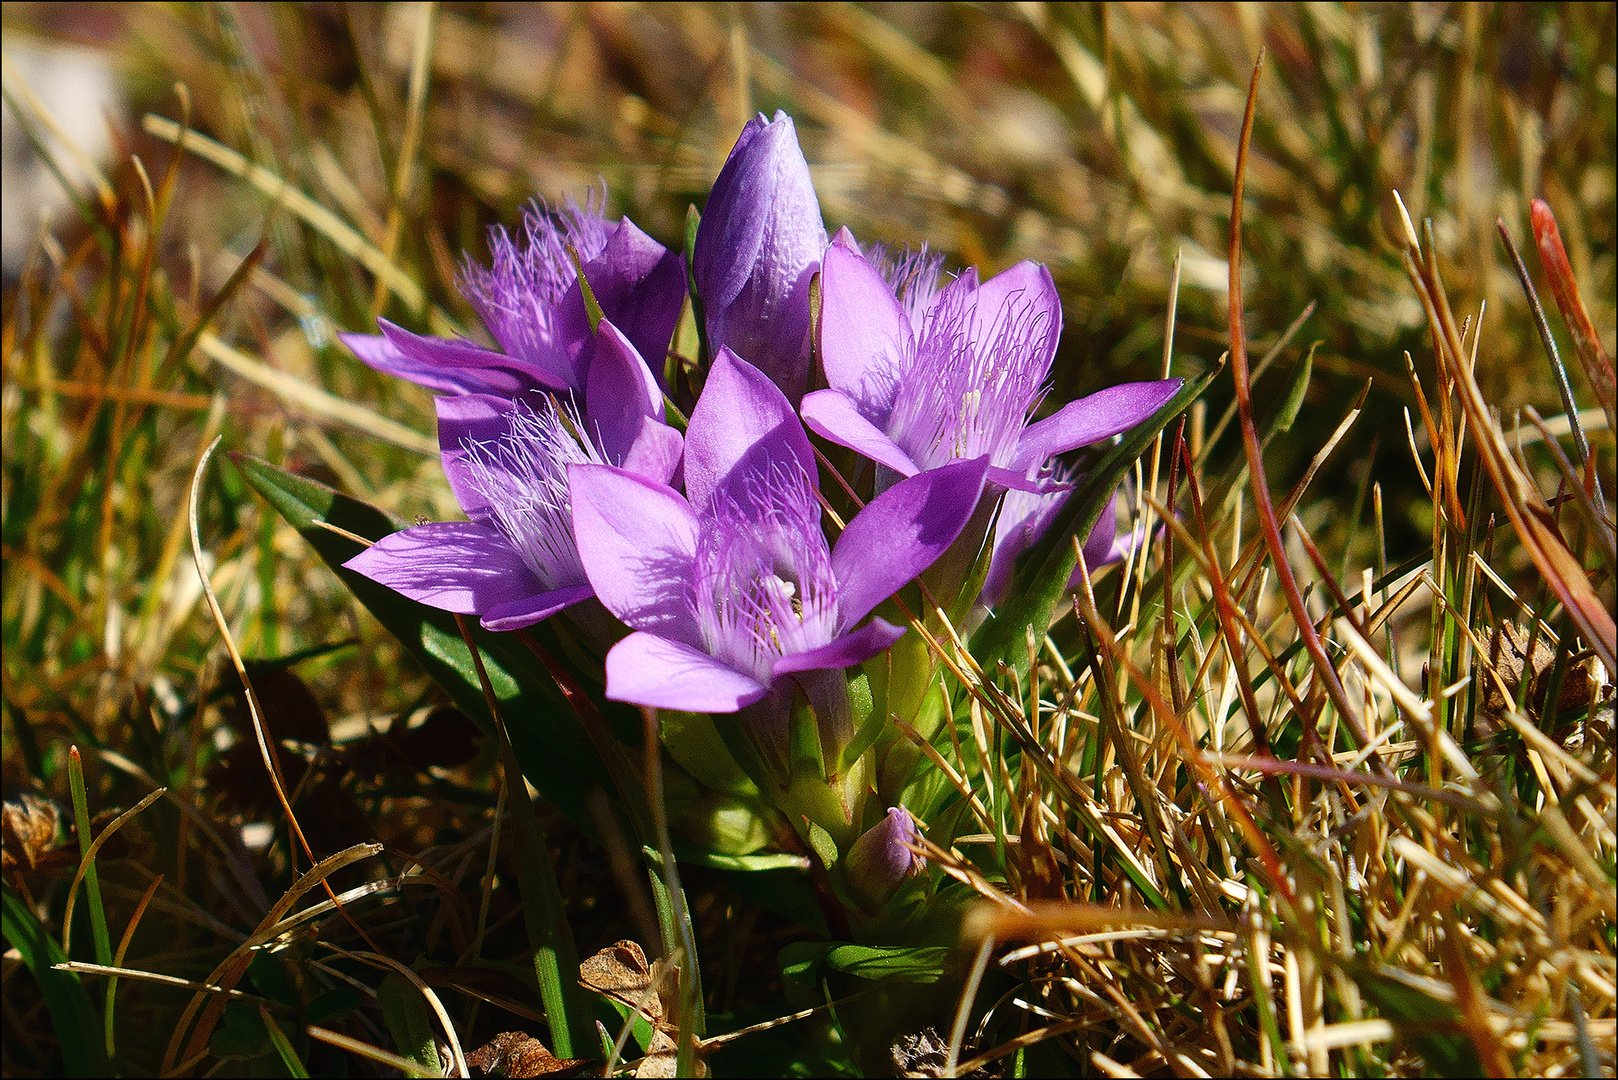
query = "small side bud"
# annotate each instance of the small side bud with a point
(880, 861)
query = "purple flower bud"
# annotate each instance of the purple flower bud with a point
(757, 248)
(880, 861)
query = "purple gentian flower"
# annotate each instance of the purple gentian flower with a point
(731, 589)
(953, 372)
(532, 304)
(757, 249)
(515, 562)
(881, 859)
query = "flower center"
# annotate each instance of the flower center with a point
(523, 475)
(763, 586)
(975, 377)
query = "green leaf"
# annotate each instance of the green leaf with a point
(1042, 573)
(640, 1029)
(241, 1035)
(693, 219)
(824, 845)
(551, 746)
(801, 962)
(591, 308)
(405, 1011)
(73, 1018)
(268, 974)
(894, 963)
(868, 723)
(1295, 393)
(283, 1046)
(1430, 1026)
(747, 864)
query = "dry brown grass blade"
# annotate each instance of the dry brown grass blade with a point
(366, 1050)
(1325, 671)
(1586, 342)
(1530, 516)
(230, 970)
(329, 224)
(1050, 920)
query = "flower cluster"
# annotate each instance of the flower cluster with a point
(709, 547)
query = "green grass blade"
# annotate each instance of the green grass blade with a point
(405, 1013)
(92, 885)
(73, 1017)
(283, 1048)
(1042, 574)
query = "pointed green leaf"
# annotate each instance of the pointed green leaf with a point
(1040, 582)
(405, 1012)
(894, 963)
(555, 754)
(73, 1018)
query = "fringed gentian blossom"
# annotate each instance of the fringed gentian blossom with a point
(952, 372)
(516, 562)
(758, 247)
(732, 590)
(532, 304)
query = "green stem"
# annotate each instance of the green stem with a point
(556, 957)
(92, 884)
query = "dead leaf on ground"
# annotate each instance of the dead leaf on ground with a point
(518, 1054)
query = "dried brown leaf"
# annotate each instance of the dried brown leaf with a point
(28, 827)
(518, 1054)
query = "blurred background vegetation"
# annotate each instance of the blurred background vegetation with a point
(1097, 138)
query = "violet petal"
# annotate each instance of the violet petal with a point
(1028, 291)
(902, 532)
(843, 651)
(463, 419)
(620, 394)
(646, 669)
(1101, 547)
(741, 422)
(526, 612)
(456, 566)
(834, 416)
(460, 367)
(1090, 419)
(640, 285)
(865, 339)
(655, 453)
(1006, 478)
(636, 542)
(1023, 519)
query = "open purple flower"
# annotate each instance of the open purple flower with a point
(757, 249)
(952, 372)
(531, 302)
(731, 589)
(516, 562)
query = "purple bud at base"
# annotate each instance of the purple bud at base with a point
(881, 860)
